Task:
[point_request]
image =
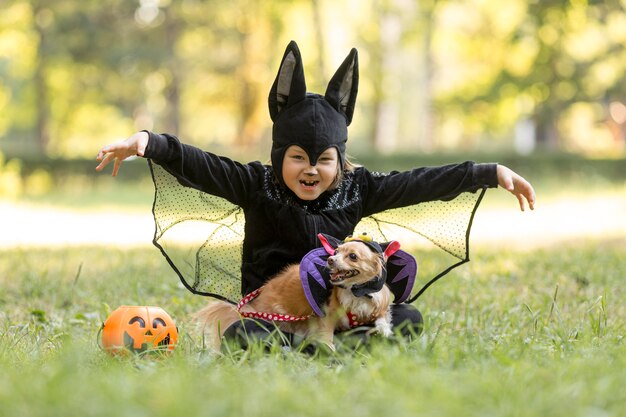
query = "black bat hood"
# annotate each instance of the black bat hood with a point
(311, 121)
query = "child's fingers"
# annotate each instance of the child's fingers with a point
(518, 186)
(116, 166)
(520, 198)
(531, 199)
(113, 148)
(105, 160)
(528, 192)
(104, 151)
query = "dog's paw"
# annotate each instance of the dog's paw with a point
(331, 346)
(383, 327)
(387, 332)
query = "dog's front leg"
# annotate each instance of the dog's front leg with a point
(383, 324)
(322, 329)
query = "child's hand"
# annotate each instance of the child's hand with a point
(118, 151)
(517, 186)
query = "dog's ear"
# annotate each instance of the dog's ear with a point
(343, 87)
(329, 243)
(401, 273)
(289, 86)
(389, 248)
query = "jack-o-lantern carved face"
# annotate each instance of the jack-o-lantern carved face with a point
(138, 337)
(139, 329)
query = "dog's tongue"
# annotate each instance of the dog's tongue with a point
(336, 276)
(341, 275)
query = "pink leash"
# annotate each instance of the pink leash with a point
(265, 316)
(352, 318)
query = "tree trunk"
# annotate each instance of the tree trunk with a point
(546, 133)
(319, 37)
(386, 108)
(172, 92)
(254, 41)
(41, 86)
(425, 138)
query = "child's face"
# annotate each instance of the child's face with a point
(306, 181)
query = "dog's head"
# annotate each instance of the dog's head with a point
(354, 263)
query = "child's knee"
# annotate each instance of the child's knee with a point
(247, 332)
(407, 319)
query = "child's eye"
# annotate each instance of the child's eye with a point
(353, 257)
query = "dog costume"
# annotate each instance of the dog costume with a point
(227, 227)
(398, 273)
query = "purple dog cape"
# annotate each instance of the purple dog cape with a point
(399, 272)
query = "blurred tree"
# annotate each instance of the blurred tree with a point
(576, 60)
(18, 57)
(42, 21)
(222, 60)
(255, 38)
(173, 25)
(421, 33)
(320, 38)
(552, 56)
(381, 43)
(75, 74)
(401, 70)
(75, 44)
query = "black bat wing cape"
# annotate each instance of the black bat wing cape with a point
(201, 236)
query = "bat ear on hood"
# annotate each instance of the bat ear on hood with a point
(289, 86)
(309, 120)
(389, 248)
(343, 87)
(329, 243)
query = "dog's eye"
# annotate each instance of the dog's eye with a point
(353, 257)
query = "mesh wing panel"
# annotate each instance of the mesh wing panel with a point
(436, 233)
(200, 235)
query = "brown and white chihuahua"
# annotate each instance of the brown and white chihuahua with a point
(353, 263)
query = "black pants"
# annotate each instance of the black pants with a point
(405, 319)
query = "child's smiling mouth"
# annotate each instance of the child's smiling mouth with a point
(309, 184)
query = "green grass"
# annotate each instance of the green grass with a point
(536, 333)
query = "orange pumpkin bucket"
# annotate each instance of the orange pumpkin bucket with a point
(139, 329)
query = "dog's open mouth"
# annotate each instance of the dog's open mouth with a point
(340, 276)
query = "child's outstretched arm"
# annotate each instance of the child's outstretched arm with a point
(118, 151)
(516, 185)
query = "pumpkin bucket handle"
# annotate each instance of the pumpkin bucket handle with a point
(99, 338)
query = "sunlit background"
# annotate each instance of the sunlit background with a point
(537, 83)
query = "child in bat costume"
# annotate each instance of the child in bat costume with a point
(275, 213)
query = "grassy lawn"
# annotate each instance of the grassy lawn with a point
(533, 333)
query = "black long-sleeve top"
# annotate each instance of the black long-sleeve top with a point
(280, 228)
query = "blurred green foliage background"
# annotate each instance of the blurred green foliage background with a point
(463, 76)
